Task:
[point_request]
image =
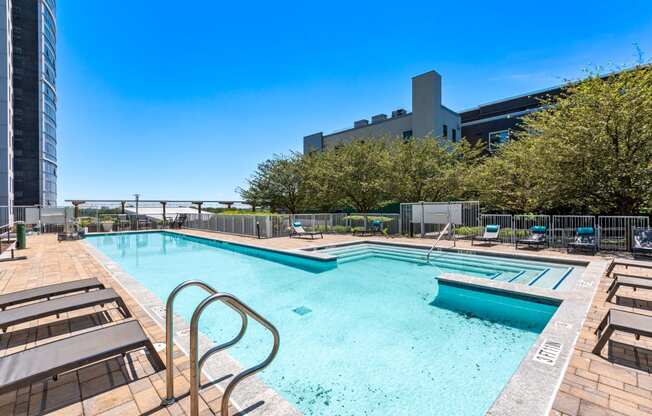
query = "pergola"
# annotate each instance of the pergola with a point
(77, 202)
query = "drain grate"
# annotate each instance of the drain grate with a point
(548, 352)
(302, 310)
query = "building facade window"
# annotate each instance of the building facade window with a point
(496, 138)
(454, 135)
(445, 134)
(407, 134)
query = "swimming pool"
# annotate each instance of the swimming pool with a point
(364, 336)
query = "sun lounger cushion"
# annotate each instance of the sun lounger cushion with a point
(643, 239)
(539, 229)
(44, 292)
(585, 231)
(492, 228)
(59, 356)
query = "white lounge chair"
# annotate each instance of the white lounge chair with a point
(490, 235)
(298, 231)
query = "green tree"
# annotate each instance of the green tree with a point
(278, 183)
(598, 143)
(589, 150)
(429, 169)
(352, 175)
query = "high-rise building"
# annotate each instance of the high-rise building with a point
(6, 109)
(28, 156)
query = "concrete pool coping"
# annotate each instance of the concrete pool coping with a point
(530, 390)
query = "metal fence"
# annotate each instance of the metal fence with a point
(613, 232)
(269, 226)
(5, 219)
(617, 232)
(42, 219)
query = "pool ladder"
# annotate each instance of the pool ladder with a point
(448, 228)
(196, 362)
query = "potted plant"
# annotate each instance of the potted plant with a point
(83, 224)
(107, 223)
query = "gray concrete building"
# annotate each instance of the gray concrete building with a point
(28, 102)
(428, 117)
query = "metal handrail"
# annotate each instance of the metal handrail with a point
(169, 334)
(196, 363)
(437, 241)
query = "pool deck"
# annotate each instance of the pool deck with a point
(592, 385)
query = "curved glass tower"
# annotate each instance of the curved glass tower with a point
(48, 102)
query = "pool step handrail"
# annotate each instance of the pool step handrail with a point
(196, 362)
(447, 228)
(169, 334)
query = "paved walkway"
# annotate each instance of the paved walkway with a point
(592, 385)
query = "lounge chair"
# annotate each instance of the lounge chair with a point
(628, 263)
(33, 311)
(624, 280)
(298, 231)
(375, 228)
(584, 241)
(490, 235)
(617, 320)
(537, 237)
(51, 359)
(46, 292)
(642, 244)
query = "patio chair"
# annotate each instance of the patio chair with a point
(33, 311)
(617, 320)
(53, 358)
(584, 241)
(178, 221)
(47, 292)
(375, 228)
(296, 230)
(490, 235)
(537, 237)
(642, 244)
(624, 280)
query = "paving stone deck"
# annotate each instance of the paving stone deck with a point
(619, 385)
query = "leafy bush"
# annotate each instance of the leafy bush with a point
(468, 231)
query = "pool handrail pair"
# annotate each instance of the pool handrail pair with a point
(196, 362)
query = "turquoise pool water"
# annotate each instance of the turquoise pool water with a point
(363, 337)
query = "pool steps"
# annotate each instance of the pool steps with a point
(494, 269)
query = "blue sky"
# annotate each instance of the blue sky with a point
(182, 100)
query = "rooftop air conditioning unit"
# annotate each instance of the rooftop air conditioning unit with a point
(398, 113)
(360, 123)
(378, 117)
